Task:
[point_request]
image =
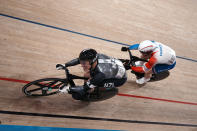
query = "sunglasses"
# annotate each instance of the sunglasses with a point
(84, 62)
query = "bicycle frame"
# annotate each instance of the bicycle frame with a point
(71, 77)
(133, 59)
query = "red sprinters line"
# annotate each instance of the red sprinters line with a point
(158, 99)
(14, 80)
(127, 95)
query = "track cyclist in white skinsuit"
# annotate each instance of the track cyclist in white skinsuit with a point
(160, 58)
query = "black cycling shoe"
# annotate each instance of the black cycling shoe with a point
(76, 89)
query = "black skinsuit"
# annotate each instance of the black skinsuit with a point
(109, 73)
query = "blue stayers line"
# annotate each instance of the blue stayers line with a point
(33, 22)
(186, 58)
(62, 29)
(37, 128)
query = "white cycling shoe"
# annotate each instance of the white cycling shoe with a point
(142, 80)
(65, 89)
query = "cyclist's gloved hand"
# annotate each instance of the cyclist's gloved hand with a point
(59, 66)
(124, 49)
(89, 87)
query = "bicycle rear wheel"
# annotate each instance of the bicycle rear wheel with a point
(44, 87)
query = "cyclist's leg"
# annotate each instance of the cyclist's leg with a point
(77, 92)
(80, 92)
(162, 67)
(148, 74)
(113, 82)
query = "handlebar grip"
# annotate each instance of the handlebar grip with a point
(124, 49)
(59, 67)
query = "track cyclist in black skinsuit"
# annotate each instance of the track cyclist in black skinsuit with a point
(101, 71)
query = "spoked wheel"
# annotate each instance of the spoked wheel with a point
(44, 87)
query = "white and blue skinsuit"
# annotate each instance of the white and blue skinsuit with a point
(162, 58)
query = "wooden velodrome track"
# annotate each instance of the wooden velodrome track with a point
(36, 35)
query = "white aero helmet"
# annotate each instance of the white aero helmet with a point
(147, 46)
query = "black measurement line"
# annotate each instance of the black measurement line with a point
(94, 118)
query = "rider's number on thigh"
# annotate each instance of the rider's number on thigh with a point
(108, 85)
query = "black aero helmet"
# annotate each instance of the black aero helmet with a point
(89, 55)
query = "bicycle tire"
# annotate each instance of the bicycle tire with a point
(45, 90)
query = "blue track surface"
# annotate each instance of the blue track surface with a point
(37, 128)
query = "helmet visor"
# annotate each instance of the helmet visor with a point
(146, 53)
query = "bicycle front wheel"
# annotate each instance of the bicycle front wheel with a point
(44, 87)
